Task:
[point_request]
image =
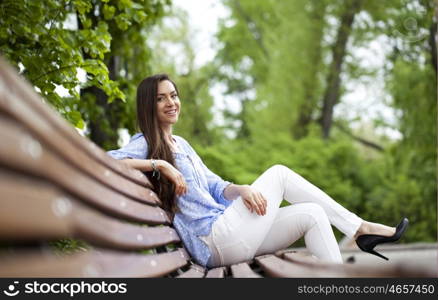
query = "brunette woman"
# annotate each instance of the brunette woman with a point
(222, 223)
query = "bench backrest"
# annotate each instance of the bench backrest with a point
(57, 184)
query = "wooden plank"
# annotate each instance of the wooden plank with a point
(138, 265)
(387, 269)
(45, 133)
(92, 263)
(302, 251)
(100, 230)
(301, 257)
(277, 267)
(195, 271)
(21, 152)
(243, 270)
(216, 273)
(50, 213)
(14, 85)
(27, 210)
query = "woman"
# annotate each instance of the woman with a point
(222, 223)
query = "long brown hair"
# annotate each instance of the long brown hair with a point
(157, 146)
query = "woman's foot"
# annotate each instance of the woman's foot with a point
(374, 228)
(370, 235)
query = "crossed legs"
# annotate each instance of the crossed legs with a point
(311, 214)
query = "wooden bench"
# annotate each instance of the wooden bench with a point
(56, 184)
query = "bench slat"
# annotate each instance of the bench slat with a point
(386, 269)
(195, 271)
(92, 263)
(30, 156)
(47, 134)
(12, 84)
(243, 270)
(51, 214)
(299, 257)
(216, 273)
(28, 210)
(277, 267)
(114, 234)
(139, 265)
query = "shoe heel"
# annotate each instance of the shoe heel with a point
(377, 254)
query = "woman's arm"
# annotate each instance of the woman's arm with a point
(252, 198)
(232, 191)
(136, 148)
(171, 173)
(144, 165)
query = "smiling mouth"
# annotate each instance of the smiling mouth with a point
(171, 112)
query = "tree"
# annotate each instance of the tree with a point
(296, 58)
(331, 94)
(51, 41)
(128, 62)
(194, 82)
(257, 57)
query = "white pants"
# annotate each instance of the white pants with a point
(239, 235)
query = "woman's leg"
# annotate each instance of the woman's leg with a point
(238, 233)
(299, 190)
(302, 219)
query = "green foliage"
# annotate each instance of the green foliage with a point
(274, 49)
(69, 246)
(378, 190)
(335, 167)
(281, 52)
(50, 41)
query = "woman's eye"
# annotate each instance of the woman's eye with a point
(174, 96)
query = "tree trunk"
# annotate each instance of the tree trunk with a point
(331, 94)
(99, 133)
(432, 44)
(300, 128)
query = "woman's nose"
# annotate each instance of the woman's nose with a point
(170, 101)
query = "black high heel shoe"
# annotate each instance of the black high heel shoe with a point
(367, 242)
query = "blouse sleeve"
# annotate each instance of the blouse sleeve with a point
(216, 185)
(136, 148)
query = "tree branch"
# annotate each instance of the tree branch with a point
(256, 33)
(359, 139)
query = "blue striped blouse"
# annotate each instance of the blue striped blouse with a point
(204, 201)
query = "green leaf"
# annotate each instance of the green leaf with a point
(76, 119)
(123, 21)
(82, 6)
(108, 11)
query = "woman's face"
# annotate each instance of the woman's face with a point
(168, 105)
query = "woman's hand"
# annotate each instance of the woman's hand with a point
(253, 199)
(173, 175)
